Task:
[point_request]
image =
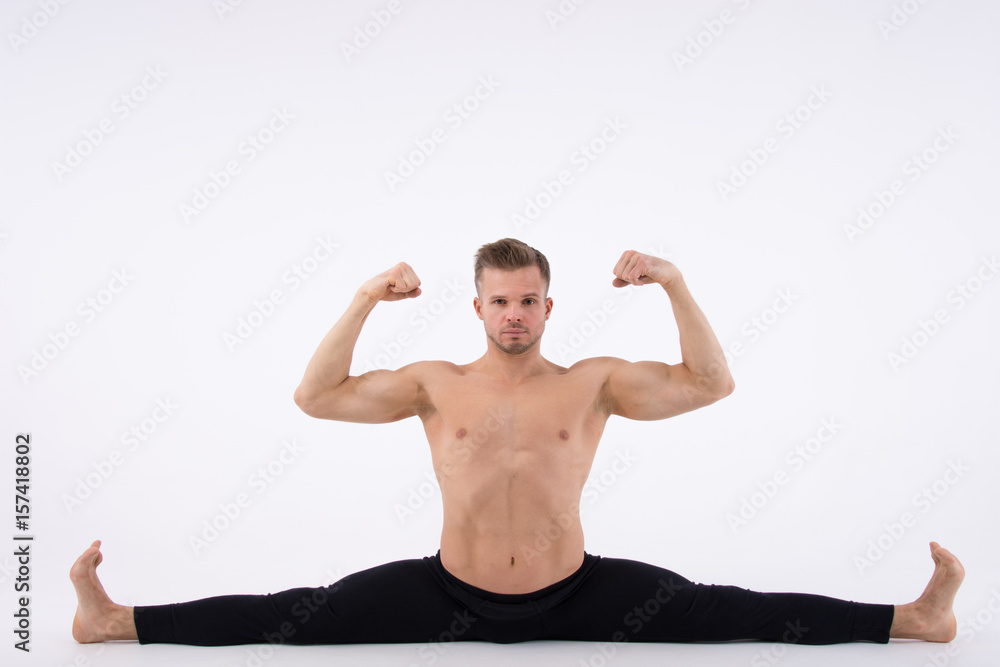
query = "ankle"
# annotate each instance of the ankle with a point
(907, 622)
(119, 624)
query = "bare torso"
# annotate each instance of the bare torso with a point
(512, 460)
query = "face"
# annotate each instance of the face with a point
(513, 308)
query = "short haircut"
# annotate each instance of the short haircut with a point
(510, 254)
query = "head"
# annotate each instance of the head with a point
(512, 285)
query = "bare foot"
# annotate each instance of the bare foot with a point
(931, 617)
(97, 618)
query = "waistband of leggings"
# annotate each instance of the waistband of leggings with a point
(563, 586)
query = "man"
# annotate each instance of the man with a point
(512, 438)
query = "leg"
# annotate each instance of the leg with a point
(392, 603)
(626, 600)
(97, 618)
(931, 617)
(395, 602)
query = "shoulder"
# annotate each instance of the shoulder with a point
(432, 369)
(597, 365)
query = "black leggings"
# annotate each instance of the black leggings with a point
(607, 599)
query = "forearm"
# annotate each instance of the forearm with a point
(331, 363)
(701, 352)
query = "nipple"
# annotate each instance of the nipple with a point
(564, 434)
(461, 433)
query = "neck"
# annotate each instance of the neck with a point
(512, 367)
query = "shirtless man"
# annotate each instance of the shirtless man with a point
(512, 438)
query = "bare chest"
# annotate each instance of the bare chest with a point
(546, 424)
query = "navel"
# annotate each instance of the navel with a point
(461, 433)
(512, 561)
(564, 434)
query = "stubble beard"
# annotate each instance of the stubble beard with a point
(515, 348)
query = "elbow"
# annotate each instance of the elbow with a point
(319, 401)
(304, 400)
(724, 387)
(719, 383)
(717, 390)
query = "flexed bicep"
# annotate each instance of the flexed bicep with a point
(376, 397)
(649, 390)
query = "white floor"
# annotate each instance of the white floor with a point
(982, 648)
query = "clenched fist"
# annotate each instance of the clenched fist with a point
(399, 282)
(635, 268)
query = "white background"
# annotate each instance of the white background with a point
(893, 77)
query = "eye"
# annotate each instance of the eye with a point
(529, 301)
(497, 300)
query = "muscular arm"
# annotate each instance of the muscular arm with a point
(327, 391)
(654, 390)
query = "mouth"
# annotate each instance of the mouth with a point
(515, 332)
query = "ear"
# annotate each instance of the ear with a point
(548, 307)
(477, 306)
